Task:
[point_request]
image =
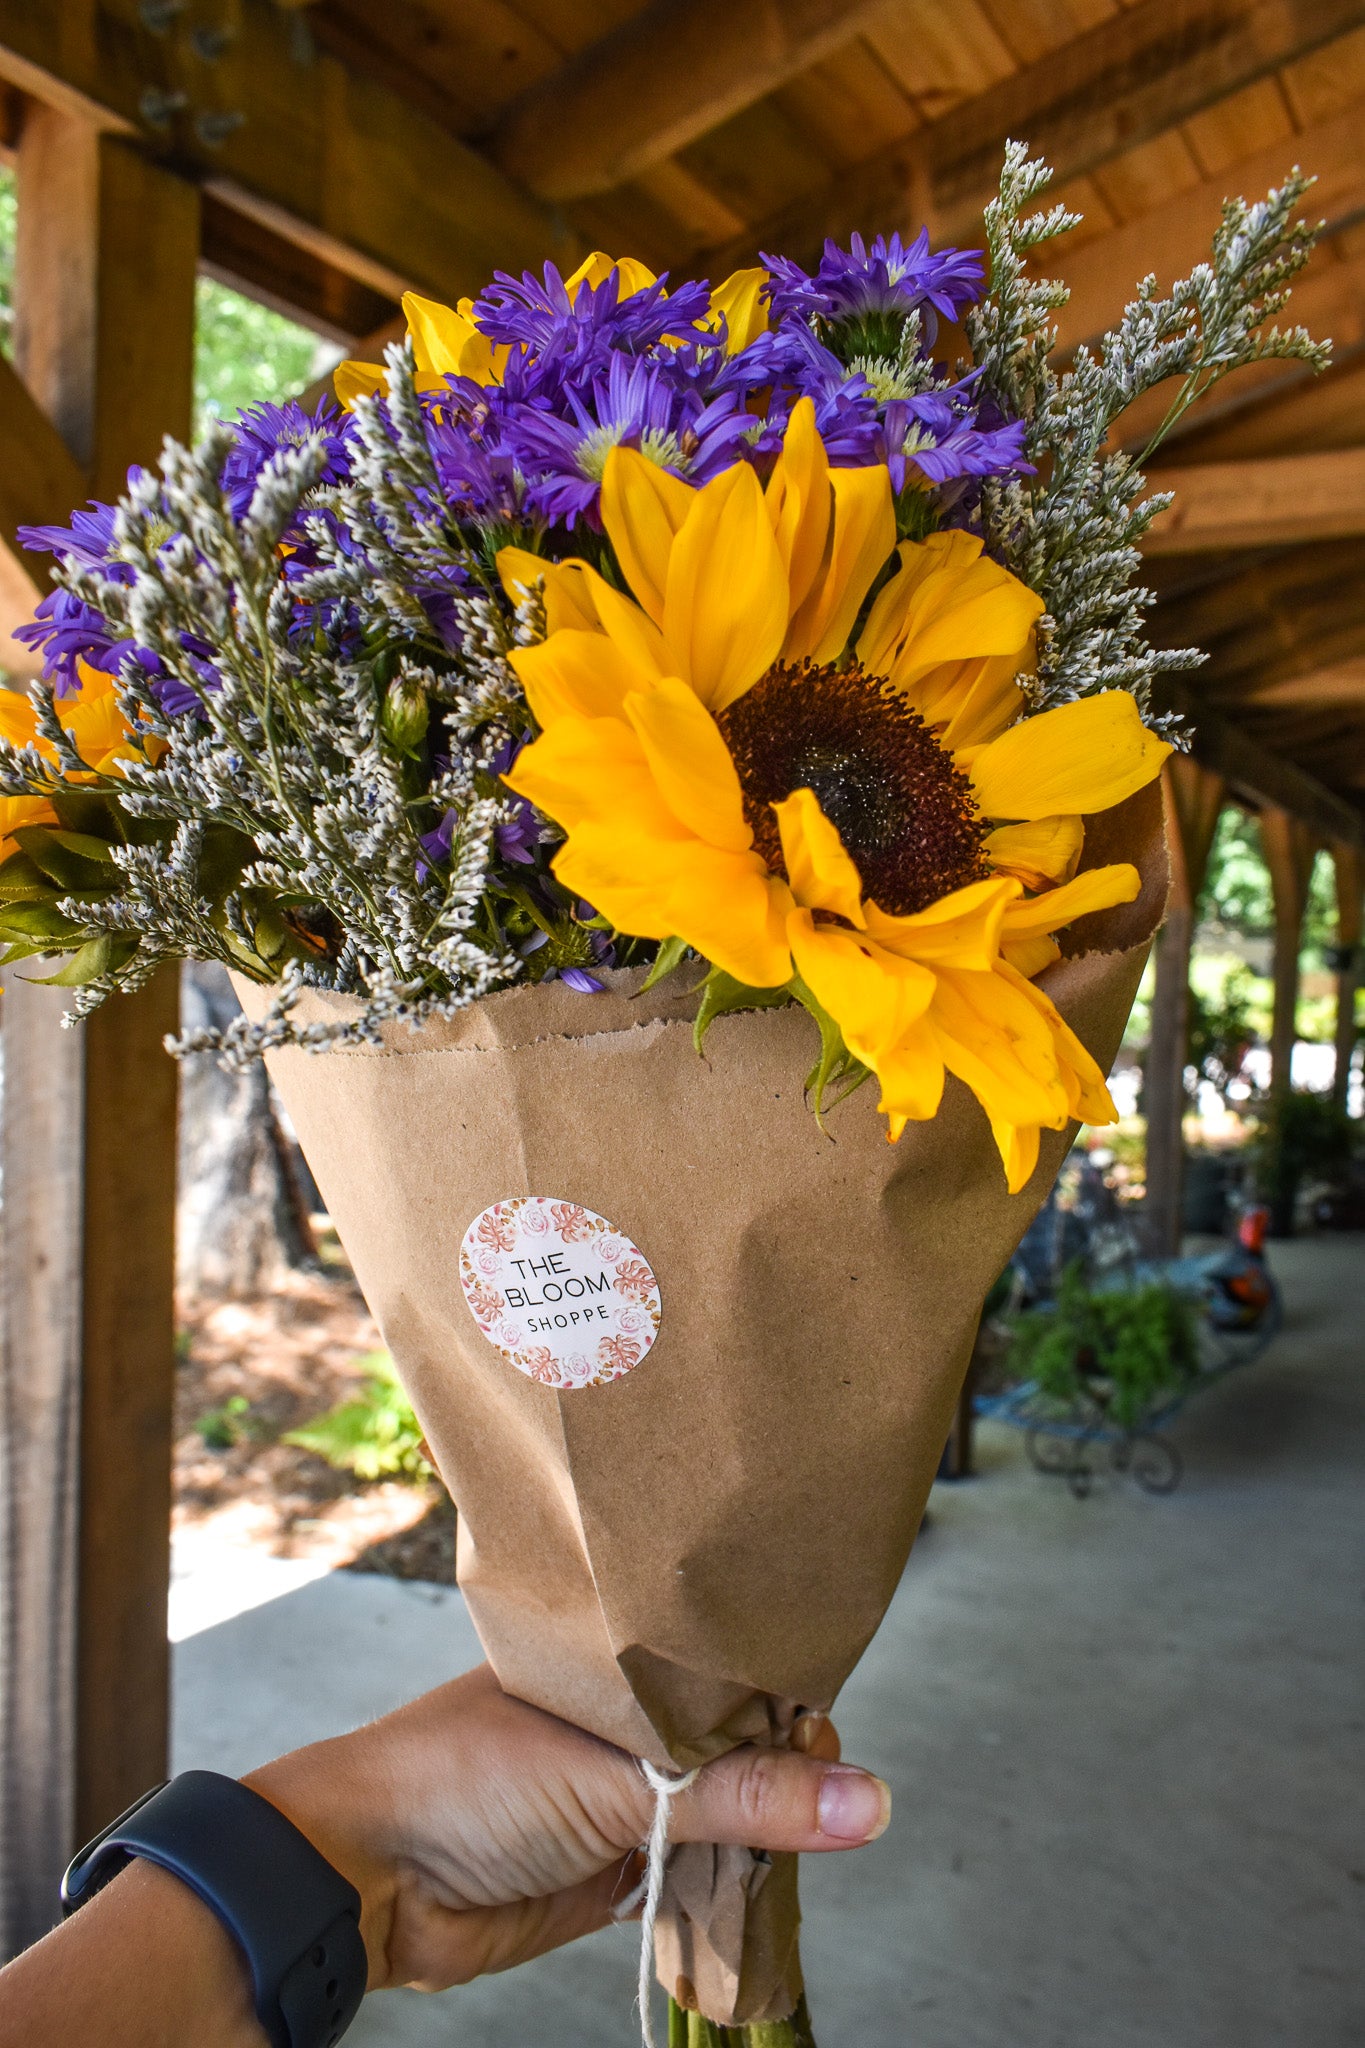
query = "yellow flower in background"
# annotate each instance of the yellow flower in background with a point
(725, 775)
(448, 341)
(15, 813)
(98, 729)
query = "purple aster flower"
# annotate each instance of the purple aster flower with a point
(88, 541)
(579, 978)
(68, 630)
(871, 290)
(942, 435)
(476, 470)
(262, 431)
(537, 314)
(518, 839)
(638, 404)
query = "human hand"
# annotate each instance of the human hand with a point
(480, 1831)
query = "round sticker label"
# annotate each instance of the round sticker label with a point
(562, 1295)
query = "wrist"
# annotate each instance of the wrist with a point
(329, 1795)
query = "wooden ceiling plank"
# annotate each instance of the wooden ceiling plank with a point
(662, 80)
(1130, 79)
(321, 155)
(1263, 776)
(1277, 501)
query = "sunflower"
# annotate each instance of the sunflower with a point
(96, 726)
(875, 826)
(447, 341)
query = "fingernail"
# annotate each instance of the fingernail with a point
(853, 1805)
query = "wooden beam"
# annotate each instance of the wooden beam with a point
(1263, 777)
(240, 252)
(1348, 866)
(657, 82)
(1288, 846)
(1171, 238)
(1141, 72)
(88, 1131)
(1278, 500)
(40, 479)
(1193, 797)
(326, 157)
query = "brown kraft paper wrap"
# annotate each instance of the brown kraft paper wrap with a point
(679, 1559)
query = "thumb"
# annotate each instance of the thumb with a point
(776, 1799)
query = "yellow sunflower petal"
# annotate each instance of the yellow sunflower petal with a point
(800, 502)
(1082, 757)
(1095, 889)
(994, 1039)
(1043, 851)
(973, 701)
(961, 929)
(690, 763)
(863, 535)
(564, 586)
(18, 811)
(726, 905)
(911, 1077)
(439, 334)
(1017, 1145)
(643, 509)
(598, 267)
(726, 607)
(949, 602)
(1030, 957)
(593, 771)
(874, 997)
(1088, 1097)
(352, 380)
(574, 674)
(740, 302)
(18, 719)
(821, 874)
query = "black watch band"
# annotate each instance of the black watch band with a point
(295, 1918)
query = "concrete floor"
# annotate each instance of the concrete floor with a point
(1125, 1737)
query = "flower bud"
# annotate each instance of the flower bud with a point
(405, 714)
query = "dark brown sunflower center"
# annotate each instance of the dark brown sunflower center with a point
(905, 814)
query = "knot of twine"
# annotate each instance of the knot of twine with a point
(651, 1885)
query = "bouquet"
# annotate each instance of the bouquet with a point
(633, 671)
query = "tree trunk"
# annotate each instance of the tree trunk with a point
(243, 1216)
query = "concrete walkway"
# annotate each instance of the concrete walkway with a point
(1125, 1737)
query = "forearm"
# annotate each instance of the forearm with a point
(144, 1965)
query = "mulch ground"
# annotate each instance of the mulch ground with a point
(288, 1357)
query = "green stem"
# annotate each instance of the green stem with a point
(694, 2030)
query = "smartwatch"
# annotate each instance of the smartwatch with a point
(295, 1918)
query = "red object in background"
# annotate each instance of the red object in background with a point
(1252, 1228)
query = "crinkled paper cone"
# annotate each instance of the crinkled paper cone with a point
(680, 1558)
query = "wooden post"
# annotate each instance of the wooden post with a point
(1193, 799)
(108, 245)
(1348, 864)
(1288, 847)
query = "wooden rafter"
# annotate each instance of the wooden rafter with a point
(331, 159)
(1264, 776)
(1131, 78)
(657, 82)
(1280, 499)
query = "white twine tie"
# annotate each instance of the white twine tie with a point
(651, 1886)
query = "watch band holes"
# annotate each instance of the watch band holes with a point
(331, 1990)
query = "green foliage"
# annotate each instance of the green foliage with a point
(376, 1436)
(246, 355)
(1237, 892)
(223, 1427)
(1301, 1134)
(1126, 1349)
(1221, 1029)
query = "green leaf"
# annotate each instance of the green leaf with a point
(836, 1066)
(74, 860)
(671, 954)
(97, 957)
(84, 810)
(21, 878)
(26, 921)
(721, 993)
